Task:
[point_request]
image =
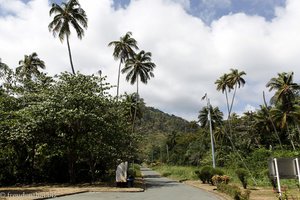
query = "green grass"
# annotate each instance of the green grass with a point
(177, 172)
(188, 173)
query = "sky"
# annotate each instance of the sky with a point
(193, 43)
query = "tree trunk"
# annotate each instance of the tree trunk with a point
(71, 165)
(271, 120)
(232, 100)
(32, 173)
(92, 164)
(70, 55)
(136, 103)
(290, 137)
(118, 86)
(227, 104)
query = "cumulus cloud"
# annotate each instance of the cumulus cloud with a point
(190, 55)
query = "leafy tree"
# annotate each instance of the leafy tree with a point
(67, 14)
(123, 49)
(6, 74)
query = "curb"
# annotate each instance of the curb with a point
(62, 195)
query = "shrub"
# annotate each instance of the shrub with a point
(234, 191)
(207, 172)
(242, 175)
(204, 174)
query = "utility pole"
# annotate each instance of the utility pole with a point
(210, 130)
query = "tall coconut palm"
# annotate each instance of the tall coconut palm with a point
(224, 86)
(139, 67)
(67, 14)
(29, 67)
(235, 81)
(123, 49)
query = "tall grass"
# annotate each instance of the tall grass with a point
(188, 173)
(177, 172)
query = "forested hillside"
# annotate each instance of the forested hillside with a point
(155, 121)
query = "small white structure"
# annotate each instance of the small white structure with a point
(121, 172)
(284, 168)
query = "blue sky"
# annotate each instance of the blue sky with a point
(209, 10)
(193, 43)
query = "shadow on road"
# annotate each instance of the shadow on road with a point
(152, 176)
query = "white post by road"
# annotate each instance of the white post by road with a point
(298, 170)
(277, 176)
(211, 134)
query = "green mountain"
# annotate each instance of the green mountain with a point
(155, 121)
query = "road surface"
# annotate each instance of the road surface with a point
(157, 188)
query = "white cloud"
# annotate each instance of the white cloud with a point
(189, 55)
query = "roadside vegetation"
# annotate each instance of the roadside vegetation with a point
(68, 128)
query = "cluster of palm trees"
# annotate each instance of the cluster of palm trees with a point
(228, 82)
(138, 66)
(285, 110)
(280, 119)
(27, 69)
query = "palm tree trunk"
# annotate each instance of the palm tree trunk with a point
(70, 55)
(118, 86)
(232, 100)
(136, 103)
(270, 118)
(229, 113)
(290, 137)
(227, 103)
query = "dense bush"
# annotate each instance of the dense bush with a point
(234, 191)
(207, 172)
(242, 174)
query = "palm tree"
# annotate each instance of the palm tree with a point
(286, 89)
(123, 49)
(286, 110)
(139, 67)
(29, 67)
(284, 118)
(224, 86)
(68, 13)
(235, 81)
(216, 116)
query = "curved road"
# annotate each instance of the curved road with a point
(157, 188)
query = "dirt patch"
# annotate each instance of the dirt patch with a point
(208, 188)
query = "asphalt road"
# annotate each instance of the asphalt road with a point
(157, 188)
